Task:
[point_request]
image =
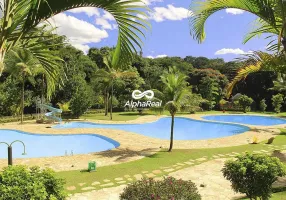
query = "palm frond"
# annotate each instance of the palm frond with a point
(202, 10)
(130, 31)
(255, 62)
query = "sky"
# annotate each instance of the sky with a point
(170, 34)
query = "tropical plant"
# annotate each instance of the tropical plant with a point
(271, 20)
(253, 174)
(262, 105)
(277, 101)
(82, 97)
(175, 94)
(245, 102)
(20, 17)
(169, 188)
(19, 182)
(112, 72)
(23, 66)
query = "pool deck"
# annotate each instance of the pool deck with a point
(133, 146)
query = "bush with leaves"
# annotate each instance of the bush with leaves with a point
(167, 189)
(254, 174)
(82, 98)
(19, 182)
(277, 101)
(245, 102)
(262, 105)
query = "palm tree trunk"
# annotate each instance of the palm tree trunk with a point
(2, 56)
(111, 100)
(106, 102)
(172, 133)
(22, 101)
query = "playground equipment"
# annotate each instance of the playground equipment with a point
(53, 113)
(42, 111)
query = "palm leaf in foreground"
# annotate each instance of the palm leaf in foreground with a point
(255, 62)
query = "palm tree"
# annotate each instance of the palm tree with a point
(24, 67)
(112, 72)
(20, 18)
(175, 94)
(271, 20)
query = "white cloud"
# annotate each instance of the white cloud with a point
(230, 51)
(79, 33)
(234, 11)
(103, 23)
(83, 47)
(146, 2)
(89, 11)
(169, 13)
(158, 56)
(108, 16)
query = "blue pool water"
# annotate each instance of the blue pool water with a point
(185, 129)
(247, 119)
(53, 145)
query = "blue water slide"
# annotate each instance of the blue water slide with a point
(52, 114)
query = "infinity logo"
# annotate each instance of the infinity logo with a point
(137, 94)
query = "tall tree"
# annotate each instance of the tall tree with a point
(175, 94)
(22, 65)
(112, 72)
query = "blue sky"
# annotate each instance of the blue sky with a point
(170, 35)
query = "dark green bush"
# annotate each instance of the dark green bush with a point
(277, 101)
(245, 102)
(167, 189)
(254, 174)
(18, 182)
(262, 105)
(81, 100)
(207, 105)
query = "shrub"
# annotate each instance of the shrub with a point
(18, 182)
(167, 189)
(245, 102)
(81, 101)
(262, 105)
(207, 105)
(253, 174)
(277, 101)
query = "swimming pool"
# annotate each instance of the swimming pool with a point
(39, 145)
(247, 119)
(185, 129)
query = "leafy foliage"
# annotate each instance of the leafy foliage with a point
(167, 189)
(277, 101)
(82, 98)
(262, 105)
(253, 174)
(245, 102)
(18, 182)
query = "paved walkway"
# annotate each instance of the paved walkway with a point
(208, 173)
(205, 174)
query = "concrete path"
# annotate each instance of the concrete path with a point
(208, 174)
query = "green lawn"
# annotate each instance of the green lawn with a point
(125, 116)
(154, 162)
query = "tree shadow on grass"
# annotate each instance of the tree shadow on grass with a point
(124, 154)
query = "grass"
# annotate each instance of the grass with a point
(126, 116)
(154, 162)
